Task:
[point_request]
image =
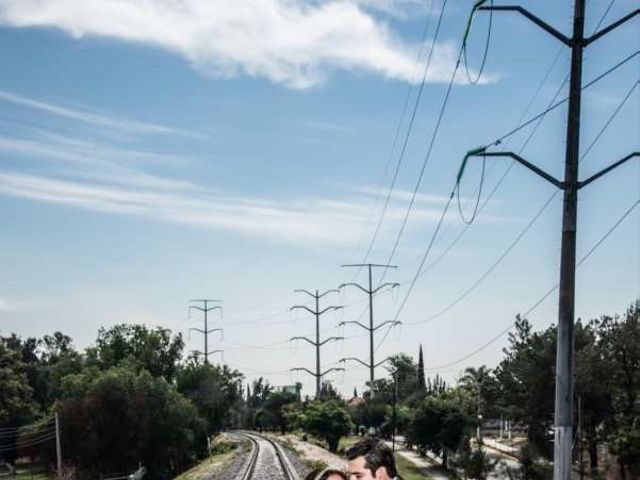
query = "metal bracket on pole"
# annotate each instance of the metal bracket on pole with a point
(610, 27)
(606, 170)
(537, 170)
(539, 22)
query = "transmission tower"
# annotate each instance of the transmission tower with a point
(318, 374)
(371, 365)
(205, 309)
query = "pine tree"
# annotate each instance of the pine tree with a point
(355, 392)
(422, 386)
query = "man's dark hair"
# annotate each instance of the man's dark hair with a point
(376, 454)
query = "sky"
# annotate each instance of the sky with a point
(159, 151)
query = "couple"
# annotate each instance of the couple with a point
(368, 459)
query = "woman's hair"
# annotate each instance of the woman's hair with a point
(323, 474)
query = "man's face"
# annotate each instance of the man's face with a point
(358, 471)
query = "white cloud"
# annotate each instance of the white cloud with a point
(310, 222)
(293, 42)
(91, 117)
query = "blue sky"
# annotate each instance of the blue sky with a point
(161, 151)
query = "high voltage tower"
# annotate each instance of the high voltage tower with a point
(205, 309)
(317, 343)
(563, 441)
(371, 365)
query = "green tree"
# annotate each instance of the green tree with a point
(214, 390)
(116, 419)
(154, 350)
(526, 382)
(439, 424)
(475, 463)
(422, 384)
(276, 409)
(328, 420)
(620, 347)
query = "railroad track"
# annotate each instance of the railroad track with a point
(267, 460)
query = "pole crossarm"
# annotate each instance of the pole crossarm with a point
(606, 170)
(304, 338)
(537, 170)
(329, 339)
(350, 284)
(304, 307)
(354, 359)
(329, 308)
(381, 362)
(302, 290)
(302, 369)
(369, 265)
(393, 322)
(537, 20)
(334, 369)
(200, 352)
(206, 332)
(355, 322)
(388, 284)
(217, 307)
(611, 27)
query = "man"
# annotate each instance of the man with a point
(371, 459)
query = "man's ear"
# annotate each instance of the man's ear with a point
(381, 474)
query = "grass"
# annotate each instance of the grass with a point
(30, 476)
(408, 470)
(206, 467)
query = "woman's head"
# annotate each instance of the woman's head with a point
(326, 474)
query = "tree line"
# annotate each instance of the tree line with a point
(132, 398)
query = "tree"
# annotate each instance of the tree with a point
(422, 385)
(153, 350)
(214, 390)
(526, 379)
(116, 419)
(439, 424)
(328, 392)
(475, 463)
(482, 387)
(17, 404)
(404, 373)
(620, 347)
(275, 411)
(328, 420)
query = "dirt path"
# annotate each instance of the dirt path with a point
(313, 452)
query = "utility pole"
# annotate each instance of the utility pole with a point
(563, 424)
(371, 329)
(205, 309)
(318, 374)
(58, 446)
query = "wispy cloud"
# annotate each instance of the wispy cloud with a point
(88, 116)
(403, 195)
(91, 160)
(326, 126)
(306, 222)
(293, 42)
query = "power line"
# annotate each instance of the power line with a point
(407, 135)
(539, 119)
(436, 231)
(543, 297)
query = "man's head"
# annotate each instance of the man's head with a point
(370, 459)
